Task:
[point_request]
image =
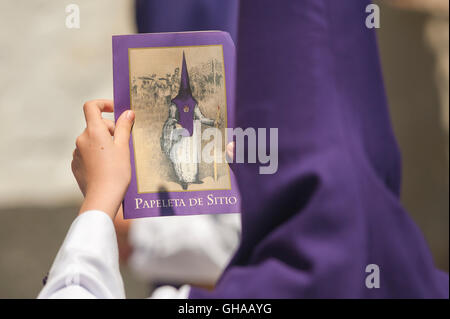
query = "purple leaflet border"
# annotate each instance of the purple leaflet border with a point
(121, 44)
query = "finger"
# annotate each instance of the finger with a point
(123, 128)
(230, 150)
(110, 125)
(93, 110)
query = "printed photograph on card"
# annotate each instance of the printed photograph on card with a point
(179, 97)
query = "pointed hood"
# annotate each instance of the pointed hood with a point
(184, 101)
(185, 92)
(332, 208)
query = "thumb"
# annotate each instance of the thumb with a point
(123, 128)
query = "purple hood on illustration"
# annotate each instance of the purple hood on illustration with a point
(184, 101)
(311, 69)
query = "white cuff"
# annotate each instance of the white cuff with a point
(87, 260)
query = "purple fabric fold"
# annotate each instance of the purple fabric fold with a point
(187, 15)
(311, 69)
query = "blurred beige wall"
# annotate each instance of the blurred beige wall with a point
(413, 41)
(47, 72)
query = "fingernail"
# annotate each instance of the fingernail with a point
(130, 115)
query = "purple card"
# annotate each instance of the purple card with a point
(181, 87)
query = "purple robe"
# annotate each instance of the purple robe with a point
(311, 69)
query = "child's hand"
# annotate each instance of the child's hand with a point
(101, 164)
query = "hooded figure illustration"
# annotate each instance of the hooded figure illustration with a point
(181, 133)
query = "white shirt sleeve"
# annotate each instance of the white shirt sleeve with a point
(183, 249)
(87, 264)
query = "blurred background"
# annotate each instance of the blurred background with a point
(49, 70)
